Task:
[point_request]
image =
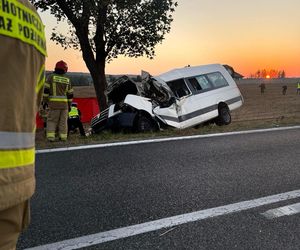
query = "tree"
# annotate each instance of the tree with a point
(272, 73)
(257, 74)
(281, 74)
(104, 29)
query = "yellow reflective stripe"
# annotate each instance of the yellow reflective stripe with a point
(50, 135)
(47, 85)
(60, 79)
(20, 22)
(41, 79)
(58, 100)
(17, 158)
(54, 88)
(63, 136)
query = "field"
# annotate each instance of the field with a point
(270, 105)
(271, 109)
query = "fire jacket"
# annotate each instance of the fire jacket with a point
(58, 92)
(22, 59)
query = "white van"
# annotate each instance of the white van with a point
(180, 98)
(203, 92)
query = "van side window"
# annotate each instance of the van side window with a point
(204, 83)
(217, 79)
(195, 84)
(179, 88)
(200, 83)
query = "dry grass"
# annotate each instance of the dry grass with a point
(271, 109)
(272, 104)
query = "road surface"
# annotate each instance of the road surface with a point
(237, 191)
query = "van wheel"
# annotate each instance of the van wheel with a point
(224, 117)
(145, 124)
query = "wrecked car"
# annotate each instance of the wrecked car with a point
(180, 98)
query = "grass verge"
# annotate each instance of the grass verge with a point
(109, 137)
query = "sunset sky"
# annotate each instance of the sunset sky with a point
(246, 34)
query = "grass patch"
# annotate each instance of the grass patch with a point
(109, 137)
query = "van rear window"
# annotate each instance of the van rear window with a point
(217, 79)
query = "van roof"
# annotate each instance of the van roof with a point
(191, 71)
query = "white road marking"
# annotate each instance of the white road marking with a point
(120, 233)
(282, 211)
(105, 145)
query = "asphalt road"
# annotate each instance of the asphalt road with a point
(86, 192)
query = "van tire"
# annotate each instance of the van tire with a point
(145, 124)
(224, 117)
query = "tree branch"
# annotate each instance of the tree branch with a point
(68, 12)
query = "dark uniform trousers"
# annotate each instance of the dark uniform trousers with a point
(73, 123)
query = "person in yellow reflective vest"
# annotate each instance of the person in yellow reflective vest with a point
(298, 88)
(58, 94)
(22, 71)
(74, 121)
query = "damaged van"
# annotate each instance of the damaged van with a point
(180, 98)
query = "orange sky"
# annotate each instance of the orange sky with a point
(248, 35)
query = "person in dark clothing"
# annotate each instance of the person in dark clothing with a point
(262, 88)
(284, 88)
(74, 121)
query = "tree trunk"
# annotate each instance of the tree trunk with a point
(100, 84)
(95, 63)
(96, 68)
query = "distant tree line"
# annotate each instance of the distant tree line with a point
(264, 73)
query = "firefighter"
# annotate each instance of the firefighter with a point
(298, 88)
(22, 60)
(58, 94)
(74, 121)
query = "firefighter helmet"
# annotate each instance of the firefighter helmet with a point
(62, 65)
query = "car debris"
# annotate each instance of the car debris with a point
(180, 98)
